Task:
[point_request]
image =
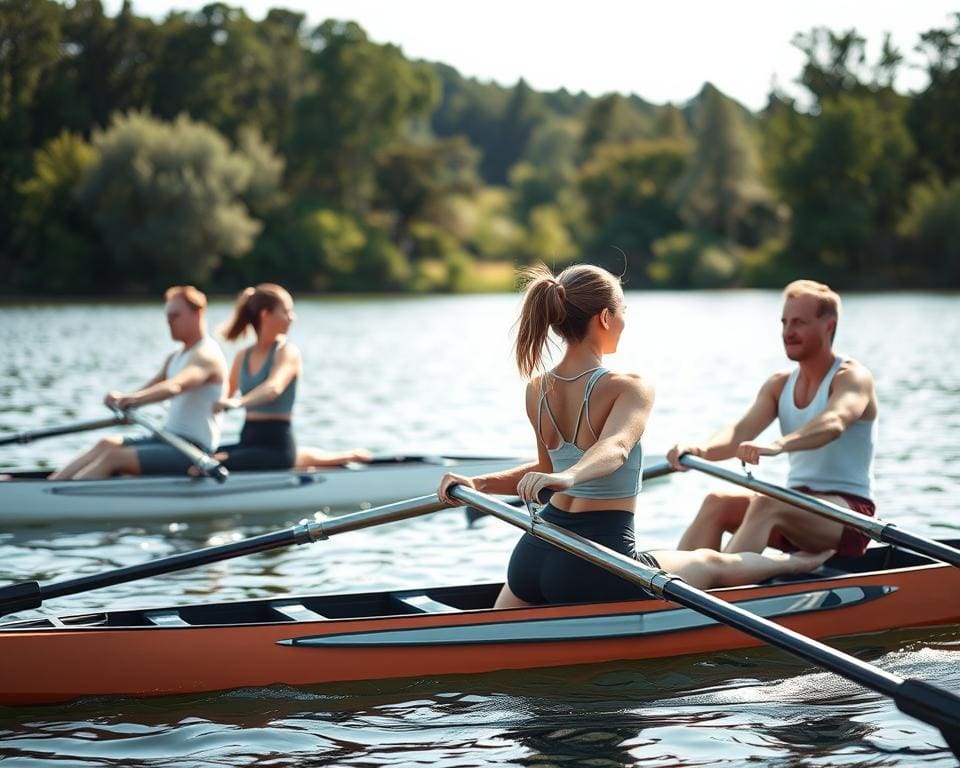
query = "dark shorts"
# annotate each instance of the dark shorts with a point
(853, 543)
(541, 573)
(158, 458)
(263, 445)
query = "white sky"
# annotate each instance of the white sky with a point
(662, 51)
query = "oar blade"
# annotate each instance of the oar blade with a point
(933, 705)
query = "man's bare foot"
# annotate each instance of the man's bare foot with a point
(804, 562)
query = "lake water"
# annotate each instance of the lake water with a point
(434, 374)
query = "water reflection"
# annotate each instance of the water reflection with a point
(415, 383)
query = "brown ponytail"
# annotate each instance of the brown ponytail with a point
(565, 303)
(250, 303)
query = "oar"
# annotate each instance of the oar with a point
(28, 436)
(206, 464)
(30, 594)
(915, 697)
(873, 527)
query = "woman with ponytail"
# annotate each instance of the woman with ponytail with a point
(589, 423)
(266, 374)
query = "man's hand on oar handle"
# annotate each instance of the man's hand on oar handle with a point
(749, 452)
(118, 402)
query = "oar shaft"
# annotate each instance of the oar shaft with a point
(28, 436)
(19, 597)
(875, 528)
(907, 694)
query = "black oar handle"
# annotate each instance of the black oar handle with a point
(28, 436)
(19, 597)
(891, 534)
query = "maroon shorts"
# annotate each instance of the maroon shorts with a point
(853, 543)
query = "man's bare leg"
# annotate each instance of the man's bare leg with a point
(720, 513)
(767, 521)
(121, 460)
(86, 458)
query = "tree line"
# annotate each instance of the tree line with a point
(214, 149)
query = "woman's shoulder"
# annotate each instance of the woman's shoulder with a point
(628, 382)
(286, 347)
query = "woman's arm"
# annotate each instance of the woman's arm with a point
(286, 367)
(621, 431)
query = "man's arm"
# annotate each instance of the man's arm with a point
(851, 396)
(199, 370)
(723, 444)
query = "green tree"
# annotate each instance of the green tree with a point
(932, 116)
(55, 247)
(412, 179)
(932, 226)
(29, 47)
(365, 96)
(612, 119)
(723, 190)
(843, 175)
(629, 198)
(167, 199)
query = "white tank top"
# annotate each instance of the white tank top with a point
(191, 414)
(844, 464)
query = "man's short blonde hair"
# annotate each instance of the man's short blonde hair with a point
(828, 301)
(193, 296)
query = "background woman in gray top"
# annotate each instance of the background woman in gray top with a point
(266, 374)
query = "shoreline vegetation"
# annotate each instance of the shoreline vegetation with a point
(214, 149)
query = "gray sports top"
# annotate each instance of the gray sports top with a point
(844, 464)
(191, 413)
(283, 405)
(619, 484)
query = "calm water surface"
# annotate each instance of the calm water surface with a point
(434, 374)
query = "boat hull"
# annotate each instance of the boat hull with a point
(36, 501)
(416, 636)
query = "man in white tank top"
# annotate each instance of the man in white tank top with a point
(827, 407)
(192, 379)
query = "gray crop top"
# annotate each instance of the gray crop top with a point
(283, 405)
(621, 483)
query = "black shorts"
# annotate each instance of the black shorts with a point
(540, 572)
(263, 445)
(157, 458)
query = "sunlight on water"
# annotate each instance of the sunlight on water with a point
(434, 374)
